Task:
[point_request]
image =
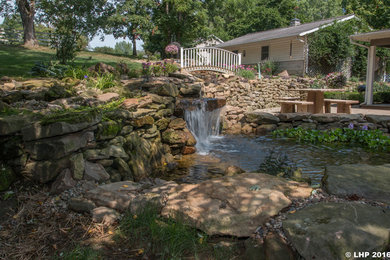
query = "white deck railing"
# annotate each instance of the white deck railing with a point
(209, 58)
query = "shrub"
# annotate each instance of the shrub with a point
(269, 67)
(103, 81)
(354, 79)
(134, 73)
(48, 69)
(381, 87)
(379, 97)
(158, 68)
(335, 80)
(372, 139)
(317, 84)
(104, 49)
(247, 72)
(171, 49)
(170, 67)
(77, 73)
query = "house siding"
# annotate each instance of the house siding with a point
(279, 50)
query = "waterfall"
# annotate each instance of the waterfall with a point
(203, 120)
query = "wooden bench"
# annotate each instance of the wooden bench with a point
(343, 106)
(287, 106)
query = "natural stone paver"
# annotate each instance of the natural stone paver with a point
(329, 230)
(230, 205)
(81, 205)
(104, 215)
(367, 181)
(116, 195)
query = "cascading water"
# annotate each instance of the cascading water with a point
(203, 120)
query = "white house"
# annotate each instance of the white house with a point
(288, 46)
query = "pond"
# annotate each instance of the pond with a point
(249, 152)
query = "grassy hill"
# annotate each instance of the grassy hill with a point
(17, 61)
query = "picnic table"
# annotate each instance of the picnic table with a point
(317, 97)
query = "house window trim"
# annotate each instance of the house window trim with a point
(261, 54)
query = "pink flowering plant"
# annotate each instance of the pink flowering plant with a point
(160, 68)
(247, 72)
(171, 49)
(335, 80)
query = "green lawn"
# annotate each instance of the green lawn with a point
(17, 61)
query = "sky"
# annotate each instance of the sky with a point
(109, 40)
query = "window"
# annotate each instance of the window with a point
(244, 53)
(235, 51)
(291, 50)
(264, 52)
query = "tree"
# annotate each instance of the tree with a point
(375, 12)
(314, 10)
(330, 46)
(132, 19)
(72, 20)
(123, 48)
(177, 21)
(27, 10)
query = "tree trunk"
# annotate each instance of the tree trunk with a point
(27, 12)
(134, 45)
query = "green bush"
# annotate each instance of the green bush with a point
(48, 69)
(134, 73)
(381, 87)
(354, 79)
(372, 139)
(106, 80)
(248, 74)
(336, 80)
(77, 73)
(269, 67)
(345, 96)
(379, 97)
(170, 67)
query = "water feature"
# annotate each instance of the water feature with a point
(216, 152)
(203, 120)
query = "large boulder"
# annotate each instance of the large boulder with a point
(72, 122)
(12, 124)
(378, 119)
(95, 172)
(180, 137)
(58, 147)
(328, 230)
(259, 117)
(45, 171)
(330, 118)
(288, 117)
(362, 180)
(233, 205)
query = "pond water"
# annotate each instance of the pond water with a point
(249, 152)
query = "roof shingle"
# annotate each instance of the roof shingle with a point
(299, 30)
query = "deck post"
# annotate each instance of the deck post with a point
(239, 59)
(181, 57)
(370, 75)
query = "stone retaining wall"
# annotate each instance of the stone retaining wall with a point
(260, 123)
(134, 141)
